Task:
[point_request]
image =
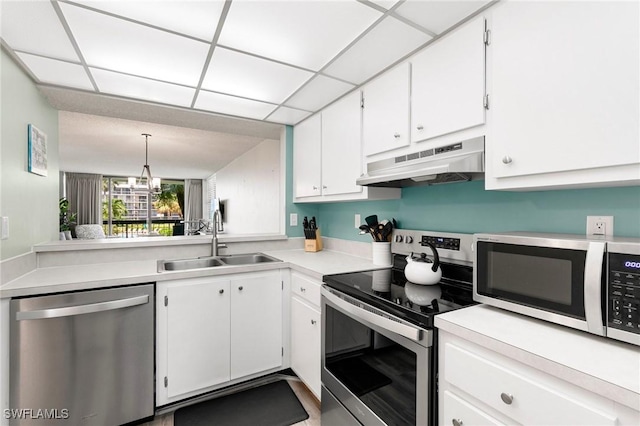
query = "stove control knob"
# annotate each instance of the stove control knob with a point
(398, 238)
(408, 240)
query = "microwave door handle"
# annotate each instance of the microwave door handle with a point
(593, 287)
(405, 330)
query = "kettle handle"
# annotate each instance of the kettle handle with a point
(436, 258)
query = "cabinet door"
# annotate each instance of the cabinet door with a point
(341, 147)
(198, 341)
(256, 323)
(385, 116)
(305, 344)
(307, 139)
(565, 87)
(448, 83)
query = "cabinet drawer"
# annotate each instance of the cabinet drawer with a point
(528, 399)
(459, 412)
(306, 288)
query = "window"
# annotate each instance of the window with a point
(125, 209)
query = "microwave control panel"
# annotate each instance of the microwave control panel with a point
(624, 292)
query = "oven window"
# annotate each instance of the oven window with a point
(546, 278)
(378, 371)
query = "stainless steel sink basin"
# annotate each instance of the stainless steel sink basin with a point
(248, 259)
(186, 264)
(215, 261)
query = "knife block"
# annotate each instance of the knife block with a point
(314, 245)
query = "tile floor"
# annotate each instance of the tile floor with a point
(308, 400)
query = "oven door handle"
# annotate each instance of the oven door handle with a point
(408, 331)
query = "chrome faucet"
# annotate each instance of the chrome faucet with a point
(217, 220)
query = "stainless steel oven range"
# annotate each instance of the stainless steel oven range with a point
(379, 351)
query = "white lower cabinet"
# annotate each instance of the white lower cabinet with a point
(214, 330)
(478, 386)
(305, 330)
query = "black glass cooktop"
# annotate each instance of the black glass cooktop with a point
(388, 290)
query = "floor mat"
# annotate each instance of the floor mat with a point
(358, 376)
(274, 404)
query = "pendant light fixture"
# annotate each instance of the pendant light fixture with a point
(152, 184)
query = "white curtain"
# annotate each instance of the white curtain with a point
(84, 193)
(193, 199)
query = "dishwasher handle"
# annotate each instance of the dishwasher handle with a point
(82, 309)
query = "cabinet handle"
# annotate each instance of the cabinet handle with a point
(313, 322)
(221, 291)
(506, 159)
(324, 186)
(315, 188)
(456, 422)
(506, 398)
(240, 288)
(420, 127)
(302, 289)
(396, 135)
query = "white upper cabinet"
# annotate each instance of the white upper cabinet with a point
(327, 156)
(307, 139)
(565, 95)
(385, 116)
(341, 148)
(448, 83)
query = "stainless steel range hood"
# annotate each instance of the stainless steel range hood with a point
(461, 161)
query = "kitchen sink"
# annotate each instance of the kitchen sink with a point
(186, 264)
(215, 261)
(248, 259)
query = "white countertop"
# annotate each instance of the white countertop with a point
(111, 243)
(601, 365)
(90, 276)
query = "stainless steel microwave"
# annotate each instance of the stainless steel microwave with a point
(587, 284)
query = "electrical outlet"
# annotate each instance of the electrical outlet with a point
(293, 219)
(358, 220)
(601, 226)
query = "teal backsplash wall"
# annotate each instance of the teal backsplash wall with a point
(468, 208)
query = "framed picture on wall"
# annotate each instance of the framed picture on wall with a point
(37, 151)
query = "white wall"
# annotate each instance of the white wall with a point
(251, 188)
(28, 200)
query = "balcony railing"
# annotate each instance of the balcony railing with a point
(130, 228)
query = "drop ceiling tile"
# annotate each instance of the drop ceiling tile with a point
(284, 115)
(57, 72)
(33, 26)
(303, 33)
(225, 104)
(194, 18)
(387, 4)
(318, 92)
(438, 16)
(119, 45)
(386, 43)
(250, 77)
(141, 88)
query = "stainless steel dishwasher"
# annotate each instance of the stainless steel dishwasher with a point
(83, 358)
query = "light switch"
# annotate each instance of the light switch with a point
(4, 226)
(293, 219)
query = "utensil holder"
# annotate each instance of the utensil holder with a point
(311, 245)
(381, 253)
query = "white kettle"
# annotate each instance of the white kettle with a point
(422, 270)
